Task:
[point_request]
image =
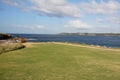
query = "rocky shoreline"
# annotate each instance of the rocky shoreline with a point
(10, 43)
(8, 38)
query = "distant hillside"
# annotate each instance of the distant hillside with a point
(91, 34)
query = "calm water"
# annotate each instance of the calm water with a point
(109, 41)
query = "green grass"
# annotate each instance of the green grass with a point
(60, 62)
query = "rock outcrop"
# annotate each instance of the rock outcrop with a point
(5, 36)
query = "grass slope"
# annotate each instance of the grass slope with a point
(60, 62)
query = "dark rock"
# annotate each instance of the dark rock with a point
(5, 36)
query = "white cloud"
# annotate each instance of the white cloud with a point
(77, 24)
(63, 8)
(110, 7)
(11, 2)
(114, 20)
(110, 20)
(24, 28)
(106, 28)
(31, 27)
(39, 27)
(59, 8)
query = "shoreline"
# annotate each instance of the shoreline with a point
(30, 44)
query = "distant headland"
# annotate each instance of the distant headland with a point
(91, 34)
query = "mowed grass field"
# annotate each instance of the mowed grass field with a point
(49, 61)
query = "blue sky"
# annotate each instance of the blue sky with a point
(57, 16)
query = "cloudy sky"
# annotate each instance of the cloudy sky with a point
(57, 16)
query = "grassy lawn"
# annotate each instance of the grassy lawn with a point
(50, 61)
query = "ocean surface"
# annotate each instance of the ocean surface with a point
(108, 41)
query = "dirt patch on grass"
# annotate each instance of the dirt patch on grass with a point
(28, 44)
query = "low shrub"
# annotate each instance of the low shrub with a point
(5, 47)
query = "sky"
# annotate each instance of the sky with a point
(59, 16)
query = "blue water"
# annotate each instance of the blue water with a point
(108, 41)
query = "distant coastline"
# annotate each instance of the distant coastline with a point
(66, 33)
(91, 34)
(90, 39)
